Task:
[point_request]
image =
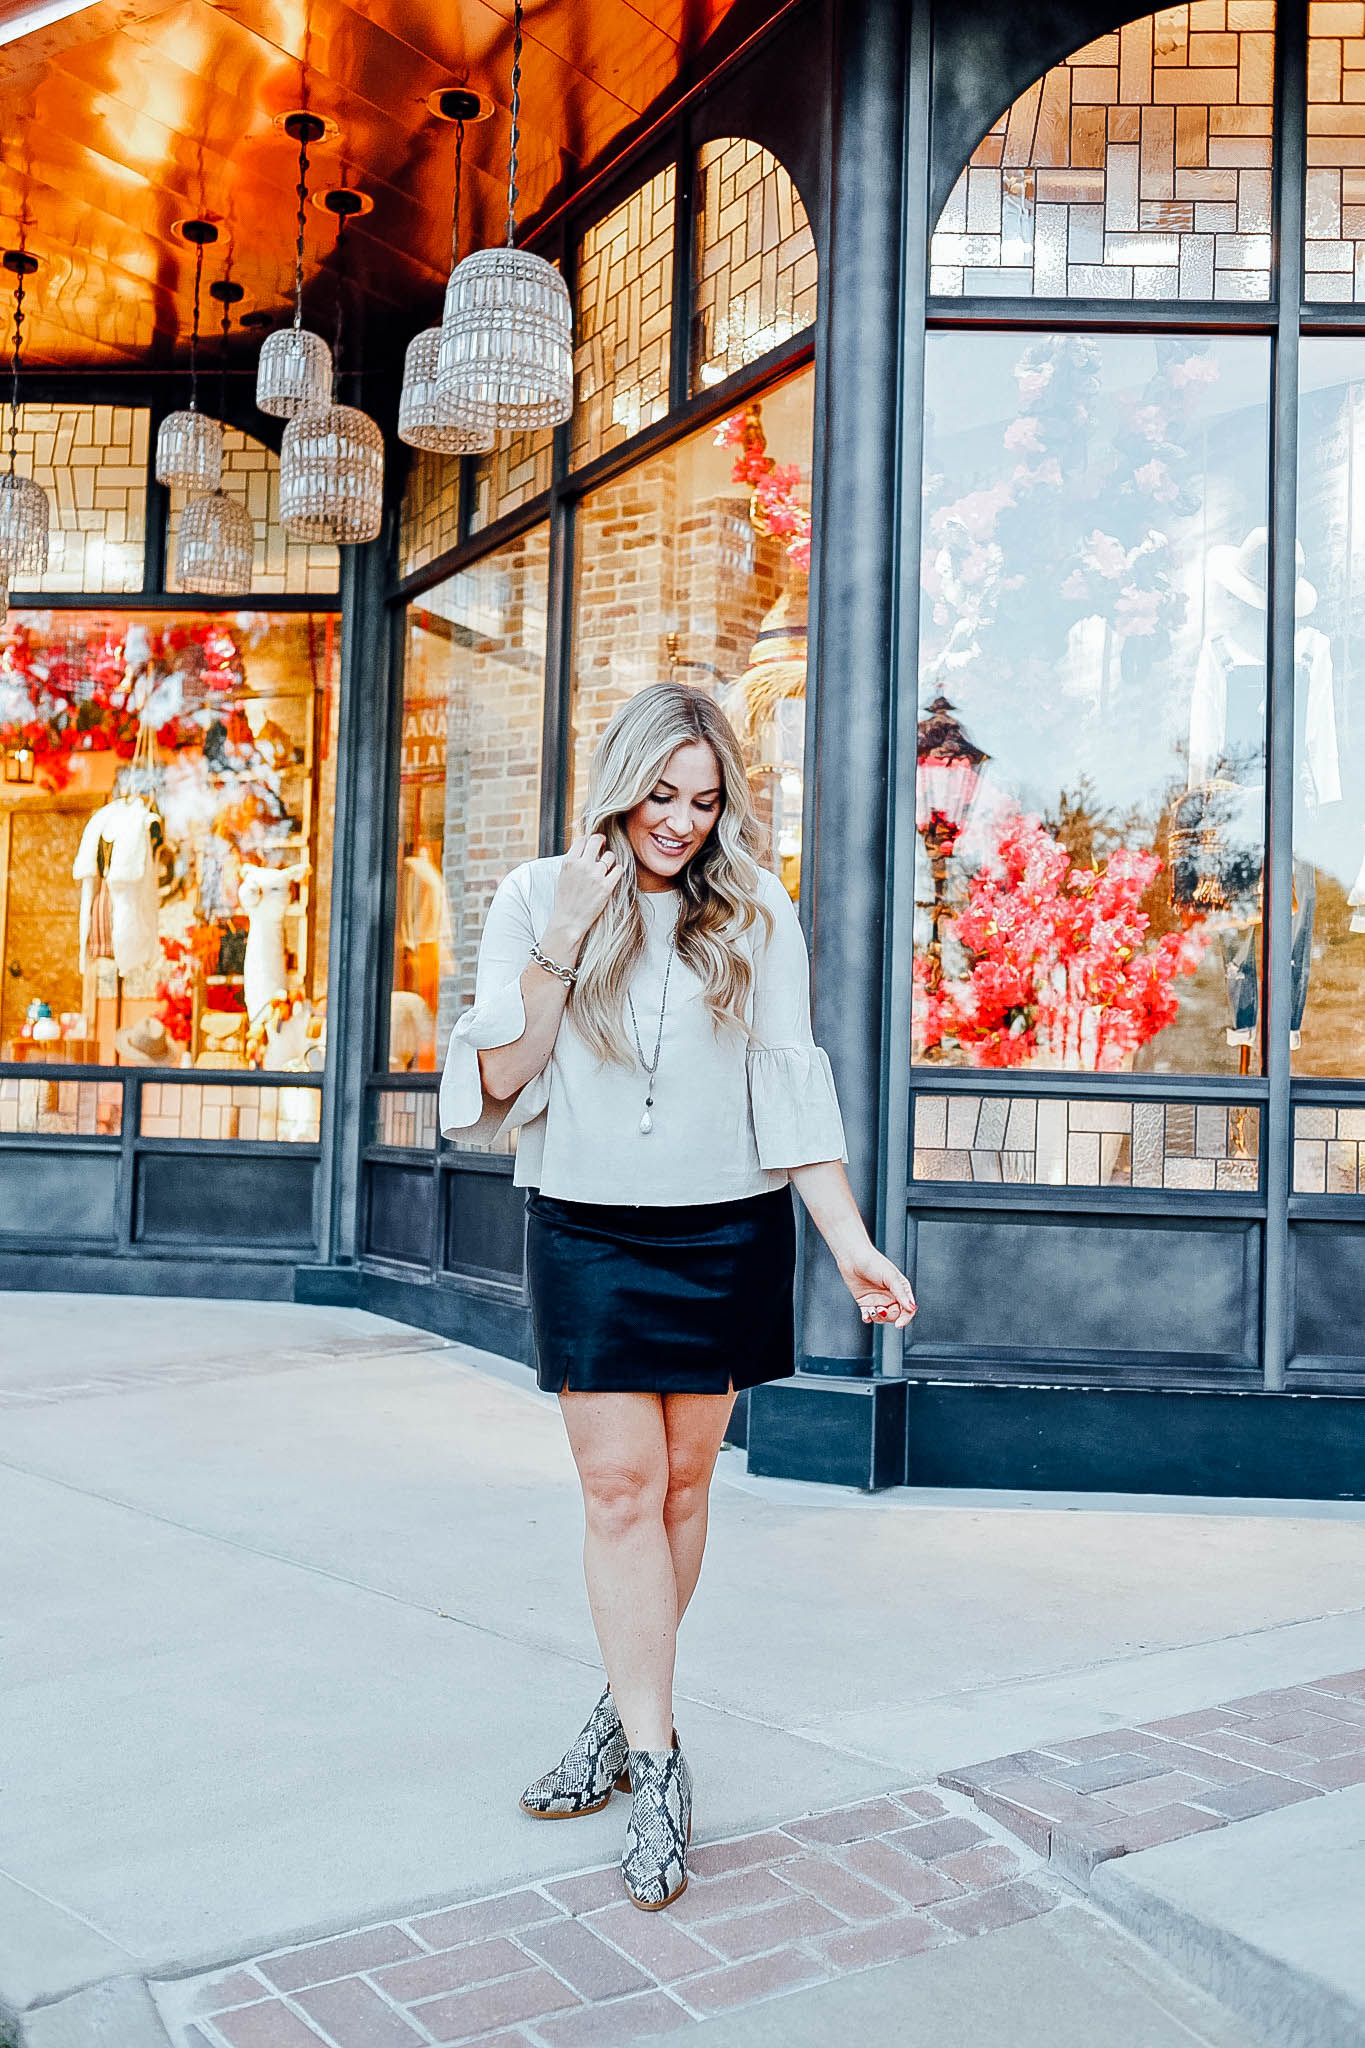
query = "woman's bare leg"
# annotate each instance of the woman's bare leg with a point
(621, 1451)
(694, 1428)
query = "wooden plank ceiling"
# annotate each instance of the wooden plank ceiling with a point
(130, 115)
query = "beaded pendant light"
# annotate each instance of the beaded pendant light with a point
(216, 543)
(332, 455)
(423, 420)
(506, 356)
(189, 445)
(24, 510)
(295, 368)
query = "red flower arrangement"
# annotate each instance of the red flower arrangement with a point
(1061, 967)
(69, 697)
(774, 506)
(186, 961)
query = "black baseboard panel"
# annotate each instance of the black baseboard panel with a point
(847, 1432)
(1291, 1446)
(446, 1309)
(225, 1276)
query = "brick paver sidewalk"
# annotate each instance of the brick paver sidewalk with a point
(1080, 1803)
(571, 1964)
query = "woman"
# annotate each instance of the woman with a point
(642, 1014)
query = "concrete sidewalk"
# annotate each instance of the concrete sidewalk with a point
(293, 1609)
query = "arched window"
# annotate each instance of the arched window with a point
(755, 266)
(1138, 169)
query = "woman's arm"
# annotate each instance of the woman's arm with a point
(586, 879)
(881, 1290)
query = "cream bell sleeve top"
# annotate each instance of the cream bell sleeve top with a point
(731, 1117)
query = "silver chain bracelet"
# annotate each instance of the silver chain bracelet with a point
(568, 975)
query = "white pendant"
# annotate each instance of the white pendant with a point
(646, 1123)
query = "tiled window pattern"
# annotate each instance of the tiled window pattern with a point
(30, 1106)
(623, 320)
(1327, 1151)
(219, 1111)
(430, 521)
(519, 469)
(1334, 198)
(1087, 1143)
(1138, 169)
(755, 276)
(405, 1117)
(251, 472)
(92, 462)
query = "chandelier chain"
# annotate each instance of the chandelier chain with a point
(302, 190)
(194, 330)
(455, 202)
(14, 389)
(343, 220)
(516, 128)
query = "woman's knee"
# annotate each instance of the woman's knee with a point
(621, 1495)
(689, 1483)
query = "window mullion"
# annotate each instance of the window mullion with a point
(1290, 160)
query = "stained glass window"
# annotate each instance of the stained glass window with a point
(623, 319)
(1088, 1143)
(755, 264)
(1138, 169)
(1334, 197)
(92, 462)
(430, 522)
(519, 469)
(251, 472)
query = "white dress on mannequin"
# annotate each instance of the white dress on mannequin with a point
(125, 825)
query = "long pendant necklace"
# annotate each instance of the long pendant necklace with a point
(651, 1067)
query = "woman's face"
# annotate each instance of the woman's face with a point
(673, 822)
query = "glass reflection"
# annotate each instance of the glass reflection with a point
(1328, 947)
(1091, 759)
(469, 781)
(693, 567)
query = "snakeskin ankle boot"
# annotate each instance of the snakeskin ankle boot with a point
(654, 1860)
(588, 1772)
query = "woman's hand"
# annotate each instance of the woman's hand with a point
(881, 1290)
(587, 877)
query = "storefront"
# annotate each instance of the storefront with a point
(975, 401)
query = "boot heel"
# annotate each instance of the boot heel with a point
(623, 1782)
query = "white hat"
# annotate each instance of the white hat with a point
(1242, 570)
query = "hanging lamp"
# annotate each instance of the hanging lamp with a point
(295, 367)
(189, 445)
(506, 354)
(215, 545)
(25, 513)
(423, 420)
(332, 455)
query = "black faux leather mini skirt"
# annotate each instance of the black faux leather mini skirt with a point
(690, 1299)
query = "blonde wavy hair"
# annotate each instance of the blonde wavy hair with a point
(719, 887)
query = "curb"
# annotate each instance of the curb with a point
(1287, 2005)
(120, 2013)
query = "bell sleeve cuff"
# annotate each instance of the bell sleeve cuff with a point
(794, 1107)
(466, 1108)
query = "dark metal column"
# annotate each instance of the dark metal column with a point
(854, 622)
(1291, 145)
(366, 758)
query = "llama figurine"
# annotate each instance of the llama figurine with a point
(264, 895)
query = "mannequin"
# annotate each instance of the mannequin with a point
(116, 868)
(425, 926)
(264, 895)
(1226, 806)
